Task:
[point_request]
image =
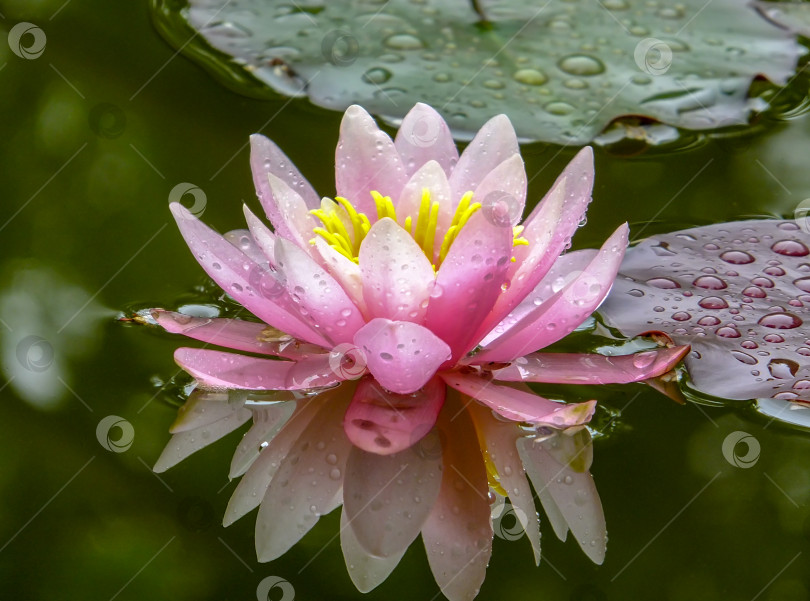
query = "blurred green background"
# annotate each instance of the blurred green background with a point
(97, 131)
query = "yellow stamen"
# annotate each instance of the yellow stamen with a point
(339, 216)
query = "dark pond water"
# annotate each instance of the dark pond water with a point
(96, 132)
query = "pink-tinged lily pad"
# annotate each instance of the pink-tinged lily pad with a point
(739, 293)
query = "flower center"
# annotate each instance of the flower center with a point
(344, 228)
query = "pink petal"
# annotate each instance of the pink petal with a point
(494, 143)
(253, 485)
(469, 282)
(240, 277)
(402, 356)
(267, 159)
(236, 334)
(564, 475)
(548, 229)
(430, 176)
(502, 192)
(520, 406)
(501, 438)
(397, 276)
(316, 295)
(267, 422)
(424, 136)
(366, 570)
(589, 368)
(560, 272)
(345, 271)
(308, 480)
(215, 369)
(458, 532)
(379, 421)
(380, 493)
(567, 309)
(262, 237)
(185, 443)
(293, 220)
(366, 160)
(243, 241)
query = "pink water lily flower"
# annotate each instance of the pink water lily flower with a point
(402, 318)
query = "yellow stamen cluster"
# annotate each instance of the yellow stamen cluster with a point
(345, 229)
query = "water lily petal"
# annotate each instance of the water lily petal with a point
(240, 277)
(269, 164)
(469, 282)
(366, 160)
(345, 271)
(185, 443)
(567, 309)
(387, 498)
(501, 439)
(560, 272)
(397, 276)
(262, 236)
(366, 570)
(402, 356)
(267, 422)
(243, 240)
(216, 369)
(502, 192)
(571, 489)
(316, 295)
(236, 334)
(518, 405)
(379, 421)
(424, 136)
(590, 368)
(307, 481)
(432, 177)
(293, 221)
(252, 487)
(458, 532)
(548, 229)
(494, 143)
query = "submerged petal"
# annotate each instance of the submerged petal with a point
(402, 356)
(458, 531)
(379, 421)
(306, 484)
(387, 498)
(367, 571)
(267, 422)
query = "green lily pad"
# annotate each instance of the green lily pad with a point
(562, 70)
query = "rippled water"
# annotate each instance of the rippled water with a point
(99, 131)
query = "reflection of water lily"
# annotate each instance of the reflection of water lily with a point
(402, 304)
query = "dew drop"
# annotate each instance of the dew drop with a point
(713, 302)
(710, 282)
(780, 321)
(737, 257)
(790, 248)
